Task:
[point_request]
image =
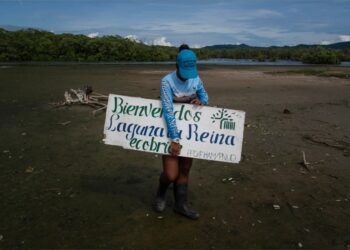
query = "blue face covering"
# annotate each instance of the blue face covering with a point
(187, 63)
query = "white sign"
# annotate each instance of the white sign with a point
(205, 132)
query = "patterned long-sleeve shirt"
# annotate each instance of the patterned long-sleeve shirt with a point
(174, 90)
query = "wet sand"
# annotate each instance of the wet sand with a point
(61, 187)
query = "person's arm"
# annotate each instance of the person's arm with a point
(202, 94)
(168, 110)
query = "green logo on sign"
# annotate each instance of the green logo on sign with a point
(226, 121)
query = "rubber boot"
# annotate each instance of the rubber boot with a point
(180, 194)
(160, 203)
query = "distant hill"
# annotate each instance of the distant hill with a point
(341, 45)
(13, 27)
(227, 46)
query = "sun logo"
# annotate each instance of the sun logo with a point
(226, 121)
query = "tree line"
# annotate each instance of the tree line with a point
(310, 55)
(38, 45)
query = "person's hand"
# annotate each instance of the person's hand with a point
(196, 102)
(175, 148)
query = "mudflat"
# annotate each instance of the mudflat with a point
(61, 187)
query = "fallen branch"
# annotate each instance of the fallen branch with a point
(64, 123)
(86, 96)
(96, 93)
(98, 110)
(341, 145)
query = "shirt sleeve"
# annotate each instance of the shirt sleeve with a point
(168, 110)
(201, 93)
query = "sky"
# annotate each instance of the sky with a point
(195, 22)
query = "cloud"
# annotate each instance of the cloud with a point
(325, 42)
(161, 41)
(196, 46)
(93, 35)
(290, 23)
(344, 38)
(133, 38)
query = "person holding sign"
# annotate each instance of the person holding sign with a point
(185, 86)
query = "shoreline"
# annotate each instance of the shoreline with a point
(209, 62)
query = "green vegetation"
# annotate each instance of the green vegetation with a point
(311, 55)
(37, 45)
(321, 56)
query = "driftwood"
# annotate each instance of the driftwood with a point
(84, 96)
(341, 145)
(64, 123)
(305, 163)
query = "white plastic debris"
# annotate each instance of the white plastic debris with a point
(29, 169)
(276, 207)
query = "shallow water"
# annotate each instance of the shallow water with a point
(223, 61)
(213, 61)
